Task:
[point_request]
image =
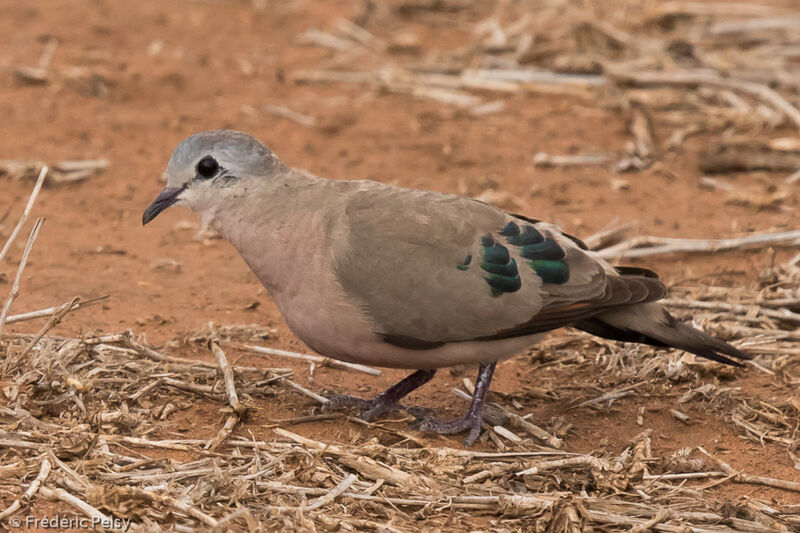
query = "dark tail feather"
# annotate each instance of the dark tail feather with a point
(651, 324)
(695, 341)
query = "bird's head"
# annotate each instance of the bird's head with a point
(208, 165)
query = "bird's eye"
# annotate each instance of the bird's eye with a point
(207, 166)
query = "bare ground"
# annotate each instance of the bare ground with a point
(128, 81)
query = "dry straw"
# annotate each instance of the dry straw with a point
(86, 421)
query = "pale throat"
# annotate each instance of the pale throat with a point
(271, 248)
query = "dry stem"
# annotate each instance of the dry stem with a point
(31, 200)
(15, 286)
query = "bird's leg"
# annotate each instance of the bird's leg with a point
(387, 399)
(472, 419)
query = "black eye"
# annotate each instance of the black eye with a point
(207, 166)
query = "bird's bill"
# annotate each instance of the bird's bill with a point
(164, 200)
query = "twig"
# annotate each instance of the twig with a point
(524, 77)
(15, 287)
(186, 363)
(613, 395)
(704, 9)
(78, 480)
(224, 432)
(645, 246)
(299, 388)
(660, 516)
(581, 460)
(41, 313)
(55, 319)
(747, 478)
(47, 54)
(737, 309)
(188, 386)
(519, 422)
(337, 491)
(407, 437)
(39, 73)
(233, 399)
(778, 302)
(285, 112)
(314, 358)
(158, 474)
(177, 444)
(31, 199)
(328, 40)
(680, 416)
(608, 237)
(751, 25)
(242, 511)
(44, 471)
(189, 509)
(371, 469)
(70, 499)
(359, 34)
(543, 159)
(23, 444)
(305, 419)
(457, 502)
(227, 374)
(479, 476)
(712, 79)
(507, 434)
(687, 475)
(309, 443)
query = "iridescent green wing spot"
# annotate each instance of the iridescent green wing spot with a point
(546, 250)
(503, 275)
(544, 255)
(551, 271)
(547, 258)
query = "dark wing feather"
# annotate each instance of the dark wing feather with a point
(577, 241)
(620, 291)
(635, 271)
(430, 268)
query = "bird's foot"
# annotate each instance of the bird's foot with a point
(385, 401)
(337, 401)
(370, 409)
(420, 413)
(471, 421)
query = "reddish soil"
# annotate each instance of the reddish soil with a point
(175, 68)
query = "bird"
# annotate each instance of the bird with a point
(395, 277)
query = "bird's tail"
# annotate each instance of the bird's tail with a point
(650, 323)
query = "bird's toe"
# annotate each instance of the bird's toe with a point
(470, 421)
(338, 401)
(370, 409)
(375, 411)
(420, 413)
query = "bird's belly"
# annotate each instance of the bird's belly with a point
(381, 353)
(345, 334)
(320, 313)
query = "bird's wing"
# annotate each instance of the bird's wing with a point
(430, 268)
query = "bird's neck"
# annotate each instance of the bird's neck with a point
(276, 227)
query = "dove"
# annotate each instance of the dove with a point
(388, 276)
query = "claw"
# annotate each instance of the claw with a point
(336, 401)
(385, 401)
(388, 399)
(474, 416)
(470, 420)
